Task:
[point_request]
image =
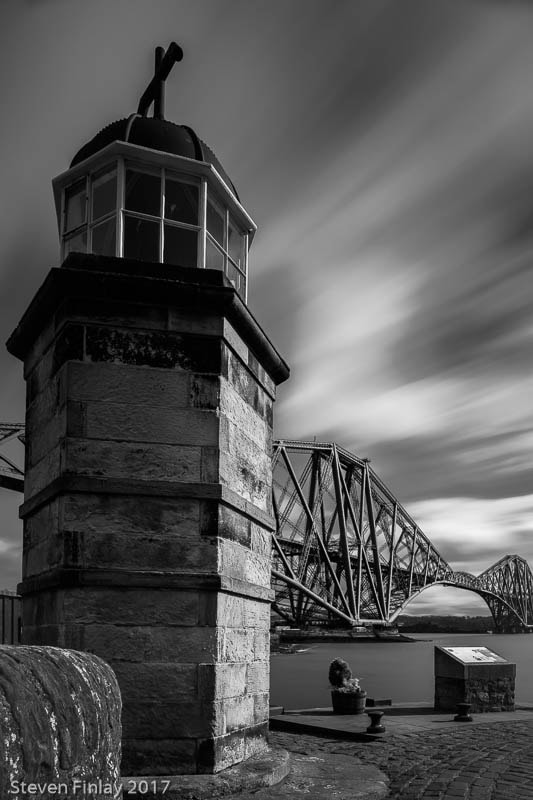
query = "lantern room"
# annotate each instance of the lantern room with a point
(147, 189)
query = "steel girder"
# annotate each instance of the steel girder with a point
(11, 476)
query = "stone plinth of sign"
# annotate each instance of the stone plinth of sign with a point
(59, 724)
(474, 675)
(147, 513)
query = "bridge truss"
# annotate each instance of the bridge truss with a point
(11, 475)
(345, 551)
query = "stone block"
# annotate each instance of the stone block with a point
(210, 464)
(239, 562)
(261, 644)
(218, 753)
(43, 556)
(44, 471)
(159, 349)
(204, 392)
(136, 423)
(261, 707)
(247, 379)
(260, 540)
(218, 681)
(244, 468)
(135, 515)
(235, 342)
(161, 720)
(230, 610)
(50, 433)
(183, 321)
(132, 607)
(115, 313)
(138, 461)
(238, 712)
(257, 614)
(157, 682)
(42, 523)
(145, 643)
(242, 415)
(48, 611)
(238, 644)
(258, 677)
(158, 757)
(120, 383)
(255, 739)
(46, 635)
(231, 524)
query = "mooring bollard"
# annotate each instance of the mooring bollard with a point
(375, 722)
(463, 714)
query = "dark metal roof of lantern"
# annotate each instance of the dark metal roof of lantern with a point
(156, 132)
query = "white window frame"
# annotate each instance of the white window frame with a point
(210, 185)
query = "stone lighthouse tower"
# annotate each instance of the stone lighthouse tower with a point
(150, 386)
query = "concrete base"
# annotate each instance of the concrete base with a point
(266, 769)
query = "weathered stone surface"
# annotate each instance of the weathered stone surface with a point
(147, 643)
(133, 423)
(163, 349)
(137, 607)
(59, 718)
(148, 756)
(218, 681)
(165, 720)
(484, 695)
(120, 383)
(220, 752)
(240, 562)
(136, 460)
(238, 712)
(240, 413)
(148, 508)
(258, 677)
(238, 645)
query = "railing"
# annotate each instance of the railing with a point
(10, 618)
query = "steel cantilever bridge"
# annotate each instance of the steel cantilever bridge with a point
(345, 551)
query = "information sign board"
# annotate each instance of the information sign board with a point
(475, 655)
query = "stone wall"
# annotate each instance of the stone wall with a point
(484, 694)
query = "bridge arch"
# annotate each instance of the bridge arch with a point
(491, 600)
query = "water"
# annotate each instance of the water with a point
(401, 671)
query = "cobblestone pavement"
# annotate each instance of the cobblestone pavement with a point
(481, 762)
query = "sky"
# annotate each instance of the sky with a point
(383, 147)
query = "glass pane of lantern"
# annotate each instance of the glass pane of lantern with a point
(215, 223)
(235, 244)
(181, 246)
(75, 205)
(76, 243)
(104, 195)
(141, 239)
(143, 192)
(103, 238)
(214, 259)
(181, 201)
(234, 275)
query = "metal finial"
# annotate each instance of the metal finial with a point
(155, 91)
